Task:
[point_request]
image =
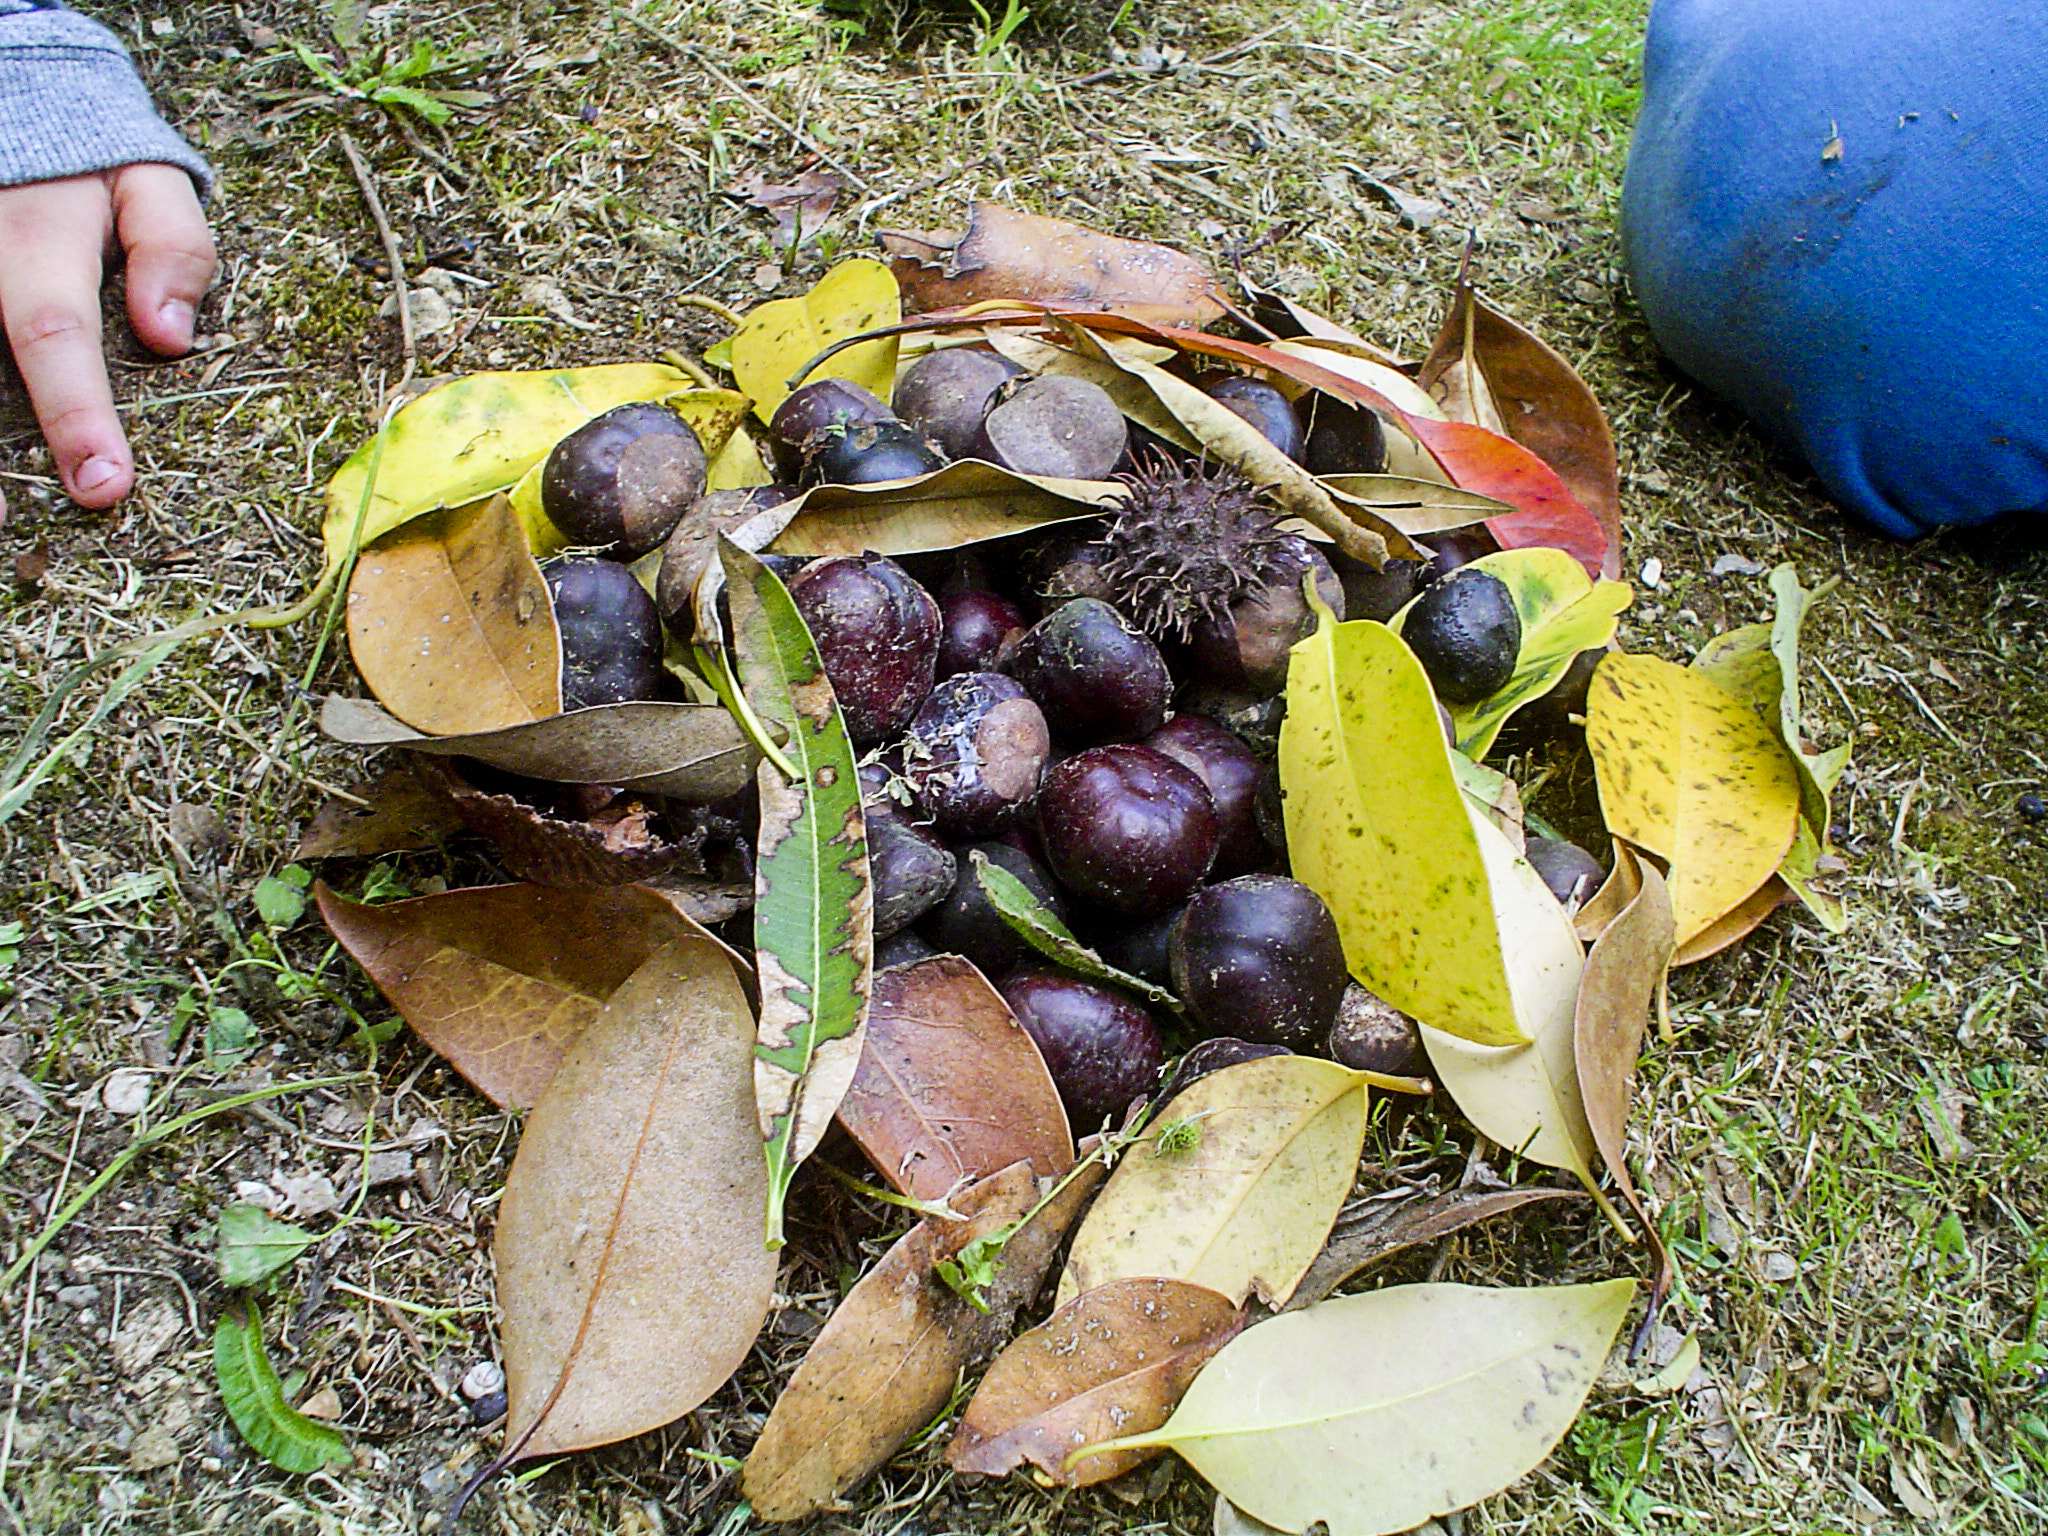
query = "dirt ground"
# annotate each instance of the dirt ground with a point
(1845, 1140)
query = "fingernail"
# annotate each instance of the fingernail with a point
(177, 314)
(94, 473)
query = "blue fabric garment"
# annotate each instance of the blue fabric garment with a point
(70, 101)
(1836, 216)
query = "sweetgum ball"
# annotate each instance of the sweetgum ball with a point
(611, 633)
(878, 634)
(975, 752)
(1127, 827)
(1102, 1049)
(1258, 957)
(623, 480)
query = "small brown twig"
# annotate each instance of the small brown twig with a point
(678, 46)
(361, 167)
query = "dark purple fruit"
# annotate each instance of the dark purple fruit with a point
(1230, 771)
(1213, 1055)
(945, 394)
(1141, 948)
(912, 872)
(1127, 827)
(693, 543)
(975, 753)
(1248, 649)
(821, 406)
(965, 921)
(868, 454)
(1260, 404)
(622, 481)
(1102, 1049)
(1372, 1035)
(1096, 678)
(878, 635)
(905, 948)
(1455, 550)
(1068, 428)
(611, 634)
(1572, 874)
(1466, 633)
(1258, 957)
(1341, 438)
(1379, 594)
(975, 627)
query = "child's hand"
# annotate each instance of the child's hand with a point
(54, 236)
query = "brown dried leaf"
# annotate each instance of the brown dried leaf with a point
(887, 1361)
(1005, 254)
(392, 813)
(801, 207)
(631, 1275)
(450, 624)
(950, 1088)
(1487, 370)
(693, 752)
(1111, 1362)
(1384, 1231)
(1623, 972)
(501, 979)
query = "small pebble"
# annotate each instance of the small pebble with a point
(489, 1408)
(482, 1379)
(2033, 808)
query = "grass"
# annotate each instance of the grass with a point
(1869, 1293)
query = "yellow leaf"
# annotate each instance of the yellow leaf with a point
(472, 437)
(1689, 772)
(1437, 914)
(1235, 1185)
(782, 335)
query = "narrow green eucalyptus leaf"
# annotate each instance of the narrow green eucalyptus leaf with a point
(254, 1245)
(254, 1398)
(1040, 927)
(813, 907)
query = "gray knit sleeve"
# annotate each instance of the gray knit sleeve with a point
(71, 102)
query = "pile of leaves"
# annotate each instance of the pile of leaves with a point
(673, 1082)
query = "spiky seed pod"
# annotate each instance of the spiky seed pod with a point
(1189, 542)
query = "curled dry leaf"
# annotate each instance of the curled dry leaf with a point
(1233, 1186)
(1113, 1361)
(1005, 254)
(950, 1089)
(1384, 1230)
(887, 1361)
(1372, 1413)
(1486, 369)
(631, 1275)
(391, 813)
(963, 503)
(1688, 772)
(450, 624)
(1623, 973)
(470, 438)
(501, 980)
(694, 752)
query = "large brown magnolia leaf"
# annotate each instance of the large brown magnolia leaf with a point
(1113, 1361)
(950, 1088)
(391, 813)
(500, 980)
(631, 1275)
(1382, 1231)
(1005, 254)
(1623, 972)
(1486, 369)
(887, 1361)
(450, 624)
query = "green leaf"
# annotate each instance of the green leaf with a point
(1374, 1412)
(779, 337)
(1040, 927)
(254, 1245)
(473, 437)
(11, 936)
(1437, 914)
(281, 898)
(1563, 612)
(813, 907)
(254, 1398)
(435, 112)
(230, 1036)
